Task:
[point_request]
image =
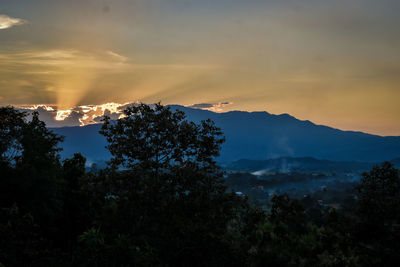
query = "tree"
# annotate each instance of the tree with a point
(285, 238)
(379, 196)
(157, 138)
(30, 167)
(288, 211)
(75, 217)
(165, 189)
(379, 211)
(12, 122)
(39, 145)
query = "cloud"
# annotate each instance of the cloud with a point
(76, 116)
(215, 107)
(117, 56)
(8, 22)
(52, 54)
(92, 114)
(60, 76)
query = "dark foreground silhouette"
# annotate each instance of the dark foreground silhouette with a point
(163, 202)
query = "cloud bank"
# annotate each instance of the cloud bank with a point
(76, 116)
(91, 114)
(8, 22)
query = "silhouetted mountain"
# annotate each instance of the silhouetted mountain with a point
(260, 135)
(86, 140)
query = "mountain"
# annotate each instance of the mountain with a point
(86, 140)
(259, 135)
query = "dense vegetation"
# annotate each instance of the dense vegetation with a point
(163, 202)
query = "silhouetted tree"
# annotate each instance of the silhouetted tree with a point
(379, 196)
(20, 240)
(30, 178)
(379, 211)
(156, 138)
(170, 195)
(12, 123)
(76, 203)
(30, 164)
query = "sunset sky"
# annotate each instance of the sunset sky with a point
(332, 62)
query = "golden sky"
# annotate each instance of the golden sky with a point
(332, 62)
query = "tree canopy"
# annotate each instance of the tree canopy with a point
(163, 201)
(158, 138)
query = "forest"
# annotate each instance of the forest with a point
(163, 200)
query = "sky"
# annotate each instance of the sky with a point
(335, 63)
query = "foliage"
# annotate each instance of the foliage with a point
(171, 196)
(20, 241)
(11, 127)
(163, 202)
(379, 196)
(154, 138)
(30, 165)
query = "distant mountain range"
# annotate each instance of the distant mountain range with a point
(259, 136)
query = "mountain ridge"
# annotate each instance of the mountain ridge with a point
(260, 135)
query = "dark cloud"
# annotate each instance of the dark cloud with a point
(76, 116)
(202, 105)
(113, 116)
(49, 116)
(72, 120)
(217, 107)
